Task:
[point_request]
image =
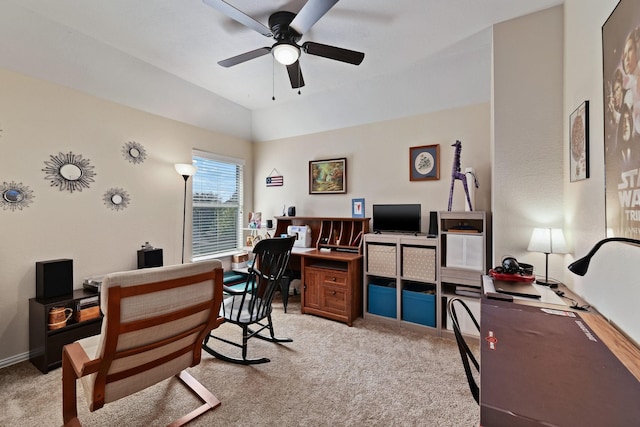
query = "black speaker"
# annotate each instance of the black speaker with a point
(291, 211)
(148, 258)
(54, 278)
(433, 224)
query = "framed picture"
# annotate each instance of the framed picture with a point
(328, 176)
(424, 163)
(579, 143)
(621, 92)
(357, 208)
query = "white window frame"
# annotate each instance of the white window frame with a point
(198, 251)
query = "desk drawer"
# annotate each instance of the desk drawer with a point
(334, 299)
(334, 278)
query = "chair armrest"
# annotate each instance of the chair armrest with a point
(79, 360)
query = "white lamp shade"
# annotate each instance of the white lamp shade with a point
(285, 53)
(185, 169)
(548, 240)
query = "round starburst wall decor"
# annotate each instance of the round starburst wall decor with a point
(15, 196)
(116, 199)
(69, 172)
(134, 152)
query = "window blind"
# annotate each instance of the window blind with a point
(217, 196)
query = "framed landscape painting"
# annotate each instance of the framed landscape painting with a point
(328, 176)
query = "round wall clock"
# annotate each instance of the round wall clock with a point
(15, 196)
(69, 172)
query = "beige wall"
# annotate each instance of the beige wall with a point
(40, 119)
(611, 284)
(377, 164)
(528, 135)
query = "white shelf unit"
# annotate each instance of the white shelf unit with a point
(401, 280)
(465, 243)
(253, 233)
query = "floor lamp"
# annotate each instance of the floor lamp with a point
(186, 170)
(548, 241)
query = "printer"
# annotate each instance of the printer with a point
(302, 233)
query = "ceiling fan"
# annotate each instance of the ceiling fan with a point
(287, 28)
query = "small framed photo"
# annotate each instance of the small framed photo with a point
(424, 163)
(328, 176)
(579, 143)
(357, 208)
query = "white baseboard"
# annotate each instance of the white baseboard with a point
(14, 359)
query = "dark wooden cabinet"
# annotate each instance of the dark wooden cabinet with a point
(45, 345)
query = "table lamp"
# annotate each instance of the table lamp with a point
(548, 241)
(581, 266)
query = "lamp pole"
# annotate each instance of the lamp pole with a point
(185, 170)
(184, 213)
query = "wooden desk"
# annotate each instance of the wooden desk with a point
(331, 278)
(547, 368)
(620, 345)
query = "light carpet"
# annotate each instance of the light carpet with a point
(371, 374)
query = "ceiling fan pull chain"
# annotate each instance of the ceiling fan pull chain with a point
(273, 79)
(299, 76)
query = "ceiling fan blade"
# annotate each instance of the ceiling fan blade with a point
(295, 75)
(238, 15)
(310, 13)
(230, 62)
(332, 52)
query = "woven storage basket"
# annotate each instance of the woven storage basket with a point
(419, 263)
(381, 259)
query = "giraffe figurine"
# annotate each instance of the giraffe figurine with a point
(457, 174)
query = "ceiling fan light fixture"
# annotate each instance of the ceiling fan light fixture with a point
(286, 53)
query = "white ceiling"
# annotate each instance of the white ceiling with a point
(180, 41)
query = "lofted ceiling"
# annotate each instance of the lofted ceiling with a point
(184, 40)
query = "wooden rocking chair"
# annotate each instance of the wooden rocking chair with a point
(154, 323)
(251, 305)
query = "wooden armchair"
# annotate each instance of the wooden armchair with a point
(154, 323)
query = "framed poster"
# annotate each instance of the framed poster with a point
(357, 208)
(328, 176)
(424, 163)
(579, 143)
(621, 91)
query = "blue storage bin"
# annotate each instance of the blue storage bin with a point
(382, 300)
(418, 307)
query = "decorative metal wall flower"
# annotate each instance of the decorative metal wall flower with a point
(15, 196)
(134, 152)
(116, 198)
(69, 172)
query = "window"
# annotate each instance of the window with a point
(217, 205)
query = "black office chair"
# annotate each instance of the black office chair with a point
(252, 305)
(466, 354)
